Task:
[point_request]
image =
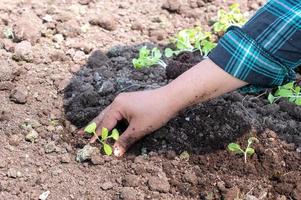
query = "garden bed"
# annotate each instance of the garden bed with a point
(54, 83)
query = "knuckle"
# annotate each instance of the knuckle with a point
(120, 99)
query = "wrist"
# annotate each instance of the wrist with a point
(170, 98)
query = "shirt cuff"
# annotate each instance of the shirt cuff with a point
(241, 56)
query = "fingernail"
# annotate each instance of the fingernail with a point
(117, 152)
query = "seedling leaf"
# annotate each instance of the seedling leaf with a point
(115, 134)
(284, 93)
(289, 85)
(291, 91)
(233, 16)
(298, 101)
(156, 53)
(104, 133)
(252, 140)
(207, 46)
(191, 40)
(271, 98)
(168, 52)
(90, 128)
(148, 58)
(250, 151)
(107, 149)
(184, 155)
(235, 148)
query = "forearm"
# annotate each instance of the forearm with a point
(202, 82)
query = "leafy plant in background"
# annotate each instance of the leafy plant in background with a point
(105, 135)
(291, 91)
(148, 58)
(249, 151)
(191, 40)
(227, 18)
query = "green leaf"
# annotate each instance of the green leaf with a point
(136, 63)
(144, 52)
(218, 27)
(297, 90)
(8, 33)
(252, 140)
(91, 128)
(271, 98)
(234, 148)
(147, 58)
(284, 93)
(115, 134)
(298, 101)
(289, 85)
(184, 155)
(250, 151)
(198, 46)
(107, 149)
(156, 54)
(104, 133)
(207, 46)
(168, 52)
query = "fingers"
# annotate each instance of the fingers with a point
(109, 121)
(126, 140)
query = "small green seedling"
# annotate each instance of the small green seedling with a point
(8, 33)
(193, 39)
(290, 91)
(249, 151)
(148, 58)
(91, 129)
(228, 18)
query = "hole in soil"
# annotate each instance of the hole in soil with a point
(199, 129)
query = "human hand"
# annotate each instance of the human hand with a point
(145, 111)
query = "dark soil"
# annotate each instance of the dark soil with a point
(181, 63)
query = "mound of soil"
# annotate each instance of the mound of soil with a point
(181, 63)
(105, 75)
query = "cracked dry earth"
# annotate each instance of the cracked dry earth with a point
(50, 79)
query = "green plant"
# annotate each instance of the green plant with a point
(290, 90)
(148, 58)
(8, 33)
(234, 147)
(191, 40)
(227, 18)
(105, 135)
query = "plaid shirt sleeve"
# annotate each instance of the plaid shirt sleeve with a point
(265, 51)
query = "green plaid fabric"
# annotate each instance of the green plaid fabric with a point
(267, 49)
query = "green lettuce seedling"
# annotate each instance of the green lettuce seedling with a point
(105, 135)
(193, 39)
(290, 91)
(249, 151)
(228, 18)
(148, 58)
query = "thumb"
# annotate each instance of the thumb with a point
(126, 140)
(109, 121)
